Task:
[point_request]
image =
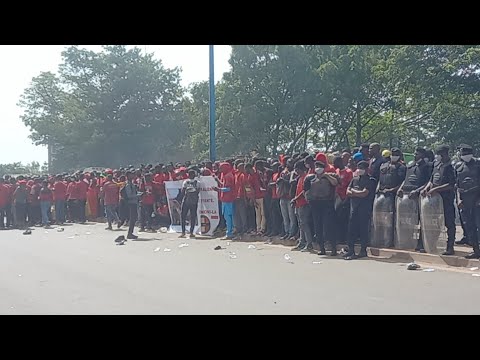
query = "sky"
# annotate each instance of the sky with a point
(20, 63)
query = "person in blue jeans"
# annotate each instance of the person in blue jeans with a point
(46, 198)
(227, 197)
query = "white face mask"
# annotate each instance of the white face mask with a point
(395, 158)
(319, 171)
(438, 157)
(467, 158)
(361, 172)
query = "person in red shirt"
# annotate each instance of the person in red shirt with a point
(303, 210)
(72, 200)
(342, 203)
(276, 215)
(59, 195)
(35, 215)
(323, 158)
(81, 188)
(4, 197)
(250, 198)
(260, 190)
(227, 196)
(240, 213)
(46, 199)
(147, 187)
(110, 193)
(9, 208)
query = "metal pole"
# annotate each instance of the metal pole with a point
(212, 106)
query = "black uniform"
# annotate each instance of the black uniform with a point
(391, 175)
(468, 182)
(417, 175)
(443, 173)
(360, 211)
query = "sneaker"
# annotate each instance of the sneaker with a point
(351, 257)
(448, 252)
(474, 255)
(322, 252)
(132, 237)
(192, 236)
(333, 253)
(182, 236)
(108, 228)
(297, 248)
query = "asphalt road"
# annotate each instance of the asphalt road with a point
(82, 271)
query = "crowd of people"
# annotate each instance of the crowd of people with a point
(307, 197)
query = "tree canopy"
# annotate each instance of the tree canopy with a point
(122, 106)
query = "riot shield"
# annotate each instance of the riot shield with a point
(432, 220)
(382, 221)
(406, 223)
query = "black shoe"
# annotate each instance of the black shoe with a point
(307, 249)
(449, 251)
(474, 255)
(108, 228)
(285, 237)
(297, 248)
(119, 225)
(333, 253)
(132, 237)
(322, 251)
(351, 257)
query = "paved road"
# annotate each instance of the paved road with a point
(52, 273)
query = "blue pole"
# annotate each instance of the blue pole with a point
(212, 106)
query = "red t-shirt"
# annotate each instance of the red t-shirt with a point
(4, 195)
(81, 188)
(301, 200)
(228, 182)
(248, 186)
(346, 175)
(72, 191)
(46, 196)
(257, 186)
(148, 197)
(240, 185)
(111, 191)
(59, 191)
(274, 187)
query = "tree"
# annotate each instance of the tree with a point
(107, 108)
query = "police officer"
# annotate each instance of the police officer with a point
(361, 192)
(392, 174)
(458, 162)
(442, 181)
(468, 195)
(416, 178)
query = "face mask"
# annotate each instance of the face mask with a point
(361, 172)
(426, 159)
(319, 171)
(467, 158)
(438, 157)
(395, 158)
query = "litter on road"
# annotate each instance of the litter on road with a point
(474, 268)
(429, 270)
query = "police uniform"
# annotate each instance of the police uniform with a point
(468, 182)
(360, 211)
(391, 175)
(443, 173)
(417, 175)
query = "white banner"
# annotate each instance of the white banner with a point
(207, 211)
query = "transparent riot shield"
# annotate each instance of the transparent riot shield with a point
(382, 221)
(406, 223)
(432, 223)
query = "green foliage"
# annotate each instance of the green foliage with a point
(119, 106)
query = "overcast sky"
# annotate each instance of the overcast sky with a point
(20, 63)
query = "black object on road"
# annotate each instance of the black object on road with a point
(218, 248)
